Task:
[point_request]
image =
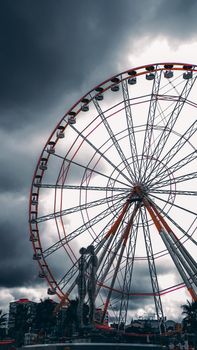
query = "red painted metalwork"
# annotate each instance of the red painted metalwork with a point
(132, 175)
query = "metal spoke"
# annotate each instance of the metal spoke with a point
(107, 257)
(85, 138)
(128, 272)
(175, 167)
(120, 248)
(175, 205)
(176, 148)
(98, 246)
(175, 180)
(177, 225)
(86, 188)
(183, 193)
(78, 208)
(115, 141)
(171, 122)
(130, 126)
(180, 264)
(88, 169)
(80, 230)
(147, 149)
(152, 268)
(183, 255)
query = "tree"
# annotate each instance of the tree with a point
(45, 320)
(71, 322)
(71, 319)
(190, 319)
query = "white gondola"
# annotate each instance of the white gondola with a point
(132, 73)
(150, 76)
(71, 118)
(33, 238)
(34, 200)
(33, 217)
(116, 87)
(41, 274)
(168, 66)
(51, 291)
(187, 75)
(37, 180)
(37, 256)
(99, 97)
(43, 164)
(85, 107)
(168, 74)
(150, 68)
(51, 147)
(60, 132)
(132, 81)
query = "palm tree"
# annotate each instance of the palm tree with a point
(190, 320)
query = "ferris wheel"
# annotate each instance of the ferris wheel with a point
(118, 174)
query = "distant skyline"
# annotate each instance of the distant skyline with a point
(53, 52)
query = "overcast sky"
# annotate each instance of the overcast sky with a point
(51, 53)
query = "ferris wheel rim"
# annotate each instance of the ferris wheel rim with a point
(142, 70)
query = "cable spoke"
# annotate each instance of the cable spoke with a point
(175, 180)
(85, 138)
(177, 166)
(175, 205)
(90, 169)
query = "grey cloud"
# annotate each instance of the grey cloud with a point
(51, 51)
(50, 47)
(16, 267)
(175, 19)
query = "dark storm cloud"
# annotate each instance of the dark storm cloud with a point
(16, 268)
(50, 50)
(177, 19)
(50, 47)
(15, 159)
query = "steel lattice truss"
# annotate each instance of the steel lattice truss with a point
(119, 173)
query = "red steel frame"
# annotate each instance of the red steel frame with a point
(155, 215)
